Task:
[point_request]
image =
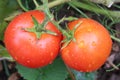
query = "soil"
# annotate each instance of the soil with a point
(113, 60)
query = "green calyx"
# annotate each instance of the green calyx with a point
(39, 29)
(69, 35)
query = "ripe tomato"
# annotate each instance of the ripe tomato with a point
(24, 46)
(91, 49)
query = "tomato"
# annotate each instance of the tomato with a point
(25, 47)
(91, 48)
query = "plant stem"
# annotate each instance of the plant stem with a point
(96, 9)
(116, 39)
(113, 65)
(54, 3)
(108, 3)
(75, 3)
(21, 5)
(104, 1)
(6, 68)
(78, 10)
(70, 72)
(51, 17)
(9, 18)
(35, 2)
(113, 68)
(99, 10)
(57, 2)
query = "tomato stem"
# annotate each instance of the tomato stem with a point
(67, 19)
(69, 35)
(51, 17)
(39, 29)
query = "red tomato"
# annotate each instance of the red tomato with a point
(24, 46)
(91, 49)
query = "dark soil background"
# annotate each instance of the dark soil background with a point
(113, 60)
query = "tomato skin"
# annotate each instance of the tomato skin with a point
(24, 46)
(91, 49)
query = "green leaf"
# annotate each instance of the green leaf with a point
(3, 26)
(28, 73)
(7, 7)
(4, 53)
(54, 71)
(84, 76)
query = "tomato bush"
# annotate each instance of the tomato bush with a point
(25, 47)
(91, 48)
(33, 39)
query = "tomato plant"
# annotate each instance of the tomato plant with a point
(25, 47)
(91, 47)
(35, 38)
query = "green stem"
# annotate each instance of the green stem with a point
(67, 19)
(100, 10)
(116, 39)
(51, 17)
(6, 68)
(88, 7)
(36, 3)
(85, 6)
(21, 5)
(57, 2)
(113, 68)
(105, 1)
(54, 3)
(70, 72)
(75, 3)
(108, 3)
(9, 18)
(74, 7)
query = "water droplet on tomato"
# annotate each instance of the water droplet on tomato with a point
(42, 61)
(51, 54)
(81, 44)
(89, 65)
(93, 43)
(87, 70)
(22, 57)
(50, 62)
(89, 29)
(72, 55)
(92, 63)
(28, 61)
(76, 64)
(16, 58)
(67, 53)
(53, 42)
(81, 71)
